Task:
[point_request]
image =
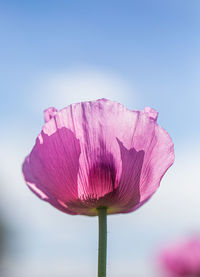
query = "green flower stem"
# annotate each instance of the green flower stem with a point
(102, 212)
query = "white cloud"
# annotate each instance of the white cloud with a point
(60, 89)
(178, 196)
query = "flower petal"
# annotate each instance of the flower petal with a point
(52, 167)
(49, 113)
(181, 258)
(153, 114)
(158, 150)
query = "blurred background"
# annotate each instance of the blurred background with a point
(54, 53)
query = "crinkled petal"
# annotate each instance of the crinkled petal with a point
(153, 114)
(51, 169)
(49, 113)
(158, 155)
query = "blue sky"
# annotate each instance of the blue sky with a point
(154, 45)
(141, 53)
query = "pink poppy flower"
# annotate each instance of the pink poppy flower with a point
(98, 154)
(182, 258)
